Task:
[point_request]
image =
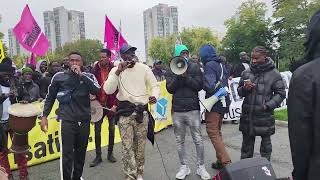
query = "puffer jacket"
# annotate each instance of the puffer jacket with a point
(269, 91)
(185, 89)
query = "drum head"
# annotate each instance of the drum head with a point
(25, 110)
(96, 111)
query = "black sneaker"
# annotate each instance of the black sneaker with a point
(96, 161)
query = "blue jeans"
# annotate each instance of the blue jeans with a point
(191, 119)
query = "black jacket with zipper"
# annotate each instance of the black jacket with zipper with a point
(269, 91)
(78, 109)
(185, 90)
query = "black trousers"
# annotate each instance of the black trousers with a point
(247, 148)
(74, 137)
(97, 131)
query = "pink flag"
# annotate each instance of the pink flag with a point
(113, 38)
(178, 40)
(32, 59)
(29, 34)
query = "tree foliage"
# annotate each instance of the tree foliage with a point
(193, 38)
(248, 28)
(89, 49)
(292, 17)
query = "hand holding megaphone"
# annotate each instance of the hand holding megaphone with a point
(219, 95)
(221, 92)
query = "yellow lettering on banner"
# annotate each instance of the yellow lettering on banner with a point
(46, 146)
(1, 52)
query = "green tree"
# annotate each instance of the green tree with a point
(193, 38)
(89, 49)
(162, 48)
(5, 48)
(20, 60)
(292, 17)
(248, 28)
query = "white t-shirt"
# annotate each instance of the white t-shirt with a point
(5, 104)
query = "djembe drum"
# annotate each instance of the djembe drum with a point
(96, 111)
(22, 118)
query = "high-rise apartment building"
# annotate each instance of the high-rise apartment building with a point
(62, 26)
(14, 47)
(159, 21)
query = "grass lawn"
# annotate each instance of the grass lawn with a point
(281, 115)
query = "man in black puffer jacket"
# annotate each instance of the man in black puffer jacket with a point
(263, 90)
(186, 111)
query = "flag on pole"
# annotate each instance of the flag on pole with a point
(113, 39)
(32, 59)
(1, 52)
(178, 40)
(29, 34)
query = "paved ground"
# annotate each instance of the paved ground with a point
(154, 170)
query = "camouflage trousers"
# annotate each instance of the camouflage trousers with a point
(133, 136)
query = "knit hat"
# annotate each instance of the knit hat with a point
(27, 70)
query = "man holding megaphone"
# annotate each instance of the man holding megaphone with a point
(217, 102)
(184, 81)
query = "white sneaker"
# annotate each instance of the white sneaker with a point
(139, 178)
(183, 172)
(81, 178)
(203, 173)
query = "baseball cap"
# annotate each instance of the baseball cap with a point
(127, 47)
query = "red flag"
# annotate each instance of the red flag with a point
(29, 34)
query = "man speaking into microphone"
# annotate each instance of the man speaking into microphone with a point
(72, 89)
(133, 79)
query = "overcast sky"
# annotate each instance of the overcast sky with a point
(204, 13)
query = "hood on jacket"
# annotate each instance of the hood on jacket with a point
(179, 49)
(259, 68)
(38, 65)
(208, 53)
(312, 45)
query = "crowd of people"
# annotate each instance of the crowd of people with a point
(126, 90)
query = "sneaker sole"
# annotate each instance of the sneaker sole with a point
(185, 176)
(203, 178)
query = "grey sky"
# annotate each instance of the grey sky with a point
(204, 13)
